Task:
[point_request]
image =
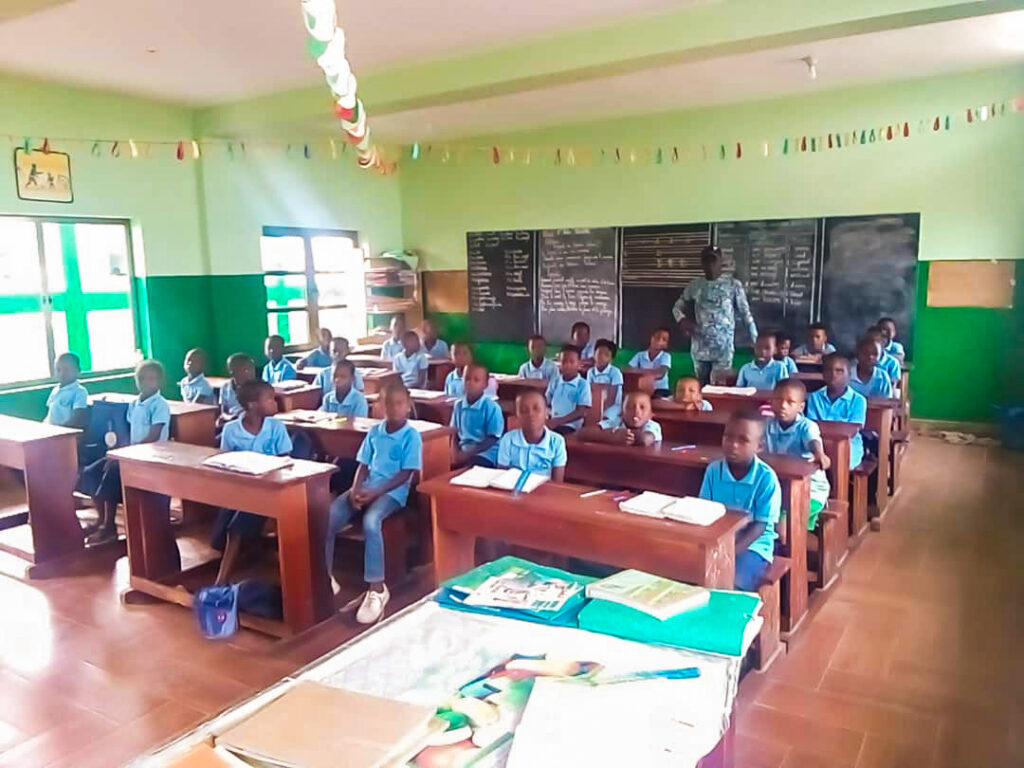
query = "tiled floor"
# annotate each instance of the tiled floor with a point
(913, 660)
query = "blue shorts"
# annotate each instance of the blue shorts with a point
(751, 570)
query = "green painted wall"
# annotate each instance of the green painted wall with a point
(966, 183)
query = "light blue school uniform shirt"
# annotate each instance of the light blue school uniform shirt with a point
(587, 351)
(475, 421)
(564, 397)
(64, 401)
(437, 352)
(317, 358)
(757, 493)
(850, 406)
(798, 440)
(325, 380)
(762, 377)
(547, 370)
(229, 404)
(894, 348)
(706, 406)
(616, 423)
(643, 360)
(143, 415)
(878, 384)
(282, 370)
(515, 451)
(790, 364)
(353, 404)
(409, 367)
(891, 366)
(803, 351)
(613, 376)
(455, 385)
(391, 348)
(388, 454)
(194, 388)
(272, 439)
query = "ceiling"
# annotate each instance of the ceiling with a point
(213, 51)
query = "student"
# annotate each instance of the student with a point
(319, 357)
(478, 422)
(344, 399)
(339, 352)
(790, 432)
(568, 394)
(435, 348)
(764, 371)
(454, 385)
(242, 368)
(412, 363)
(868, 377)
(538, 366)
(890, 346)
(688, 394)
(837, 401)
(392, 346)
(740, 480)
(604, 372)
(194, 387)
(277, 368)
(149, 420)
(886, 362)
(656, 358)
(817, 343)
(258, 431)
(68, 402)
(533, 447)
(783, 346)
(580, 338)
(389, 458)
(634, 426)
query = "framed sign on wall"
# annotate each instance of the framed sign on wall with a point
(43, 176)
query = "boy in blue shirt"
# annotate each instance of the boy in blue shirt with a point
(392, 346)
(580, 338)
(68, 402)
(478, 422)
(890, 346)
(817, 343)
(886, 362)
(258, 431)
(241, 368)
(764, 371)
(344, 399)
(538, 366)
(837, 401)
(868, 377)
(604, 372)
(454, 382)
(783, 346)
(339, 352)
(194, 387)
(389, 458)
(533, 447)
(568, 394)
(277, 368)
(320, 356)
(412, 363)
(633, 426)
(656, 358)
(435, 348)
(688, 394)
(790, 432)
(742, 481)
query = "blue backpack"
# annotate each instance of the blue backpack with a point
(217, 611)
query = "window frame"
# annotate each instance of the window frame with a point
(46, 297)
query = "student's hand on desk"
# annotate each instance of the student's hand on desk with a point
(629, 436)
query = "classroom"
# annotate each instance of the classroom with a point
(622, 382)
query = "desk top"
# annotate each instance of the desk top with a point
(765, 395)
(508, 378)
(371, 361)
(191, 457)
(669, 410)
(178, 407)
(428, 430)
(15, 430)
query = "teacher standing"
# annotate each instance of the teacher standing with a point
(706, 312)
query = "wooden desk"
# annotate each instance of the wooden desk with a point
(307, 374)
(193, 423)
(297, 497)
(681, 472)
(510, 387)
(369, 361)
(638, 380)
(554, 518)
(306, 398)
(367, 349)
(812, 380)
(433, 408)
(437, 372)
(376, 379)
(47, 455)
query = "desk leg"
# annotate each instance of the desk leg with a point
(50, 470)
(884, 446)
(301, 532)
(152, 549)
(453, 550)
(796, 500)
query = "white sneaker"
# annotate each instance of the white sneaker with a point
(335, 586)
(372, 609)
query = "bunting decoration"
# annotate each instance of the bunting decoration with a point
(326, 44)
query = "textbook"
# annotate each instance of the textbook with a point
(289, 385)
(502, 479)
(655, 596)
(429, 394)
(710, 389)
(522, 589)
(247, 462)
(688, 509)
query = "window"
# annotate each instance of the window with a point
(65, 285)
(314, 280)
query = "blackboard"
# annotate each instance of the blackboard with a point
(870, 271)
(778, 263)
(502, 275)
(657, 264)
(577, 279)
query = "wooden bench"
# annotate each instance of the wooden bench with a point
(395, 531)
(859, 477)
(768, 643)
(828, 547)
(897, 452)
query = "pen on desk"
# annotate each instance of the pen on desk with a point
(521, 482)
(591, 493)
(682, 447)
(683, 673)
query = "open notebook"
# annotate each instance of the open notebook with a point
(710, 389)
(687, 509)
(247, 462)
(502, 479)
